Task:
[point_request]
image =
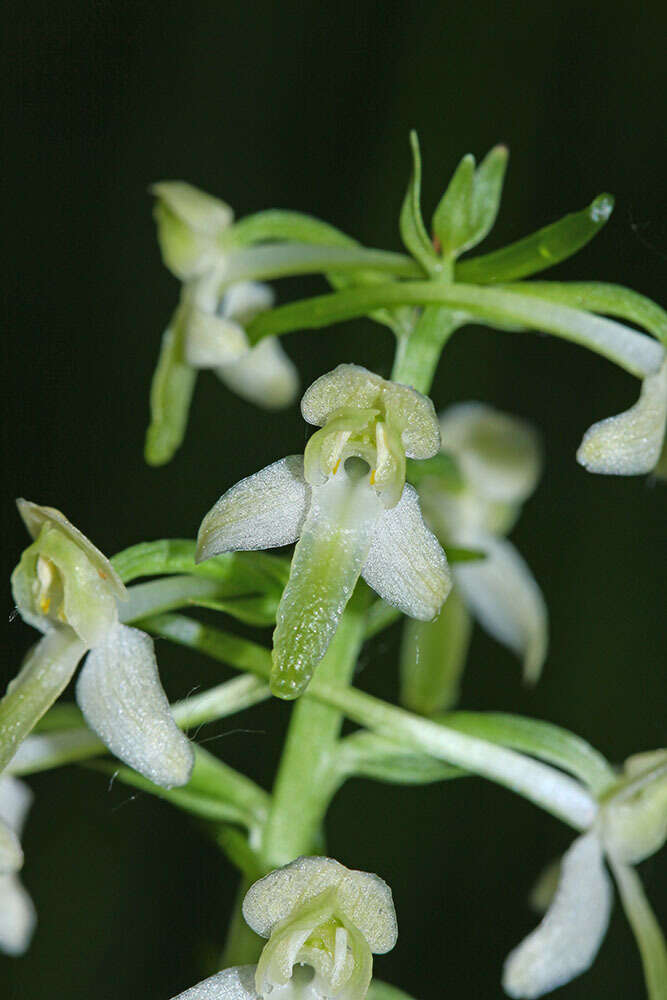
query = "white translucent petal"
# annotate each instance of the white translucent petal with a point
(197, 209)
(499, 454)
(407, 410)
(363, 898)
(120, 695)
(264, 375)
(406, 565)
(15, 800)
(17, 916)
(211, 341)
(501, 592)
(630, 443)
(261, 512)
(245, 299)
(568, 938)
(237, 983)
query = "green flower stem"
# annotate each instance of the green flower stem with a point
(541, 784)
(284, 260)
(635, 352)
(647, 930)
(163, 595)
(64, 738)
(305, 783)
(380, 616)
(417, 355)
(556, 745)
(600, 297)
(243, 571)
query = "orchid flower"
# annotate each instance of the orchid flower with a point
(68, 589)
(347, 502)
(17, 912)
(498, 461)
(631, 825)
(207, 328)
(631, 443)
(315, 913)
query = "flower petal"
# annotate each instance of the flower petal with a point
(200, 211)
(171, 393)
(502, 594)
(362, 897)
(46, 672)
(334, 545)
(407, 410)
(237, 983)
(261, 512)
(499, 454)
(264, 375)
(120, 695)
(17, 916)
(35, 517)
(568, 938)
(630, 443)
(211, 340)
(406, 565)
(245, 299)
(11, 852)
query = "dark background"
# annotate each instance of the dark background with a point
(308, 106)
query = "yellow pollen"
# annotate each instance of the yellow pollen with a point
(101, 574)
(373, 471)
(335, 468)
(44, 605)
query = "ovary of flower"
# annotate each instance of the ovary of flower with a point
(631, 825)
(347, 502)
(65, 587)
(17, 913)
(631, 443)
(499, 459)
(315, 913)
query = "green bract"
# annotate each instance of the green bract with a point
(350, 508)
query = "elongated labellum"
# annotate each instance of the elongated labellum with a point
(334, 544)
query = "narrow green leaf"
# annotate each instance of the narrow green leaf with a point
(171, 395)
(443, 467)
(453, 220)
(243, 571)
(413, 231)
(540, 250)
(367, 755)
(384, 991)
(433, 656)
(540, 739)
(487, 191)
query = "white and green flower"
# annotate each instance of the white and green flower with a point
(631, 443)
(347, 502)
(631, 825)
(207, 330)
(323, 923)
(17, 912)
(68, 589)
(498, 461)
